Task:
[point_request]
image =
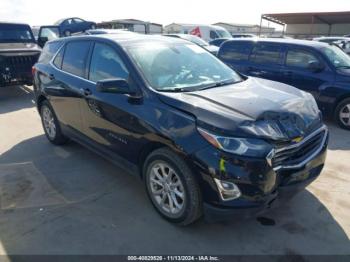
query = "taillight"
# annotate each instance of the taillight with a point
(33, 70)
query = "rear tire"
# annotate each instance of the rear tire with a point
(177, 196)
(342, 114)
(51, 125)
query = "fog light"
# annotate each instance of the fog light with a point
(227, 190)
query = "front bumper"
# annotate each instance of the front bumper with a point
(262, 186)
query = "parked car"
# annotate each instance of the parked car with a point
(315, 67)
(198, 41)
(218, 41)
(203, 138)
(18, 53)
(73, 25)
(342, 42)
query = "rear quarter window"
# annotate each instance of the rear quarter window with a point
(236, 51)
(49, 51)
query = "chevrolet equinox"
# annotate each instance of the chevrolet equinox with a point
(204, 139)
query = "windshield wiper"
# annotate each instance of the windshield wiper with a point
(219, 83)
(174, 90)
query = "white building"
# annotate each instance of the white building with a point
(133, 25)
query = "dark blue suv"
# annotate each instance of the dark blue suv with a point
(203, 138)
(318, 68)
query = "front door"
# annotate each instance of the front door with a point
(110, 119)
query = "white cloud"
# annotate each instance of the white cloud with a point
(40, 12)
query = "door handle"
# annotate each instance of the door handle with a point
(86, 91)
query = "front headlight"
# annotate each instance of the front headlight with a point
(240, 146)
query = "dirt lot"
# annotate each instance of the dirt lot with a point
(67, 200)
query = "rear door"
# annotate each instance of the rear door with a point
(68, 80)
(266, 61)
(296, 70)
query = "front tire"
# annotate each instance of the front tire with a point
(171, 187)
(51, 125)
(342, 114)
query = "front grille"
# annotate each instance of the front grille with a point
(21, 63)
(295, 154)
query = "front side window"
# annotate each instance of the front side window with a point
(236, 51)
(336, 56)
(180, 67)
(78, 20)
(50, 32)
(300, 58)
(74, 60)
(106, 64)
(266, 54)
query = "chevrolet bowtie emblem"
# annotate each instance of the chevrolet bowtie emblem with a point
(298, 139)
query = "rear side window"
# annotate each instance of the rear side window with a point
(299, 58)
(266, 54)
(106, 63)
(233, 51)
(75, 55)
(49, 51)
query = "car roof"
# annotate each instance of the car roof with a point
(125, 40)
(10, 23)
(308, 43)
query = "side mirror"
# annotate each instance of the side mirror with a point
(42, 40)
(115, 86)
(315, 66)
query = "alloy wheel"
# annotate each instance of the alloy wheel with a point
(167, 189)
(49, 122)
(344, 115)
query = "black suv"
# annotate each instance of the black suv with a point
(202, 137)
(18, 53)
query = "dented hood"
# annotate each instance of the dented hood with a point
(252, 108)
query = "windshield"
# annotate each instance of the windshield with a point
(180, 67)
(15, 33)
(223, 33)
(337, 57)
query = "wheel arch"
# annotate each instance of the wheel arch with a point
(40, 100)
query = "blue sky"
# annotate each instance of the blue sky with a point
(39, 12)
